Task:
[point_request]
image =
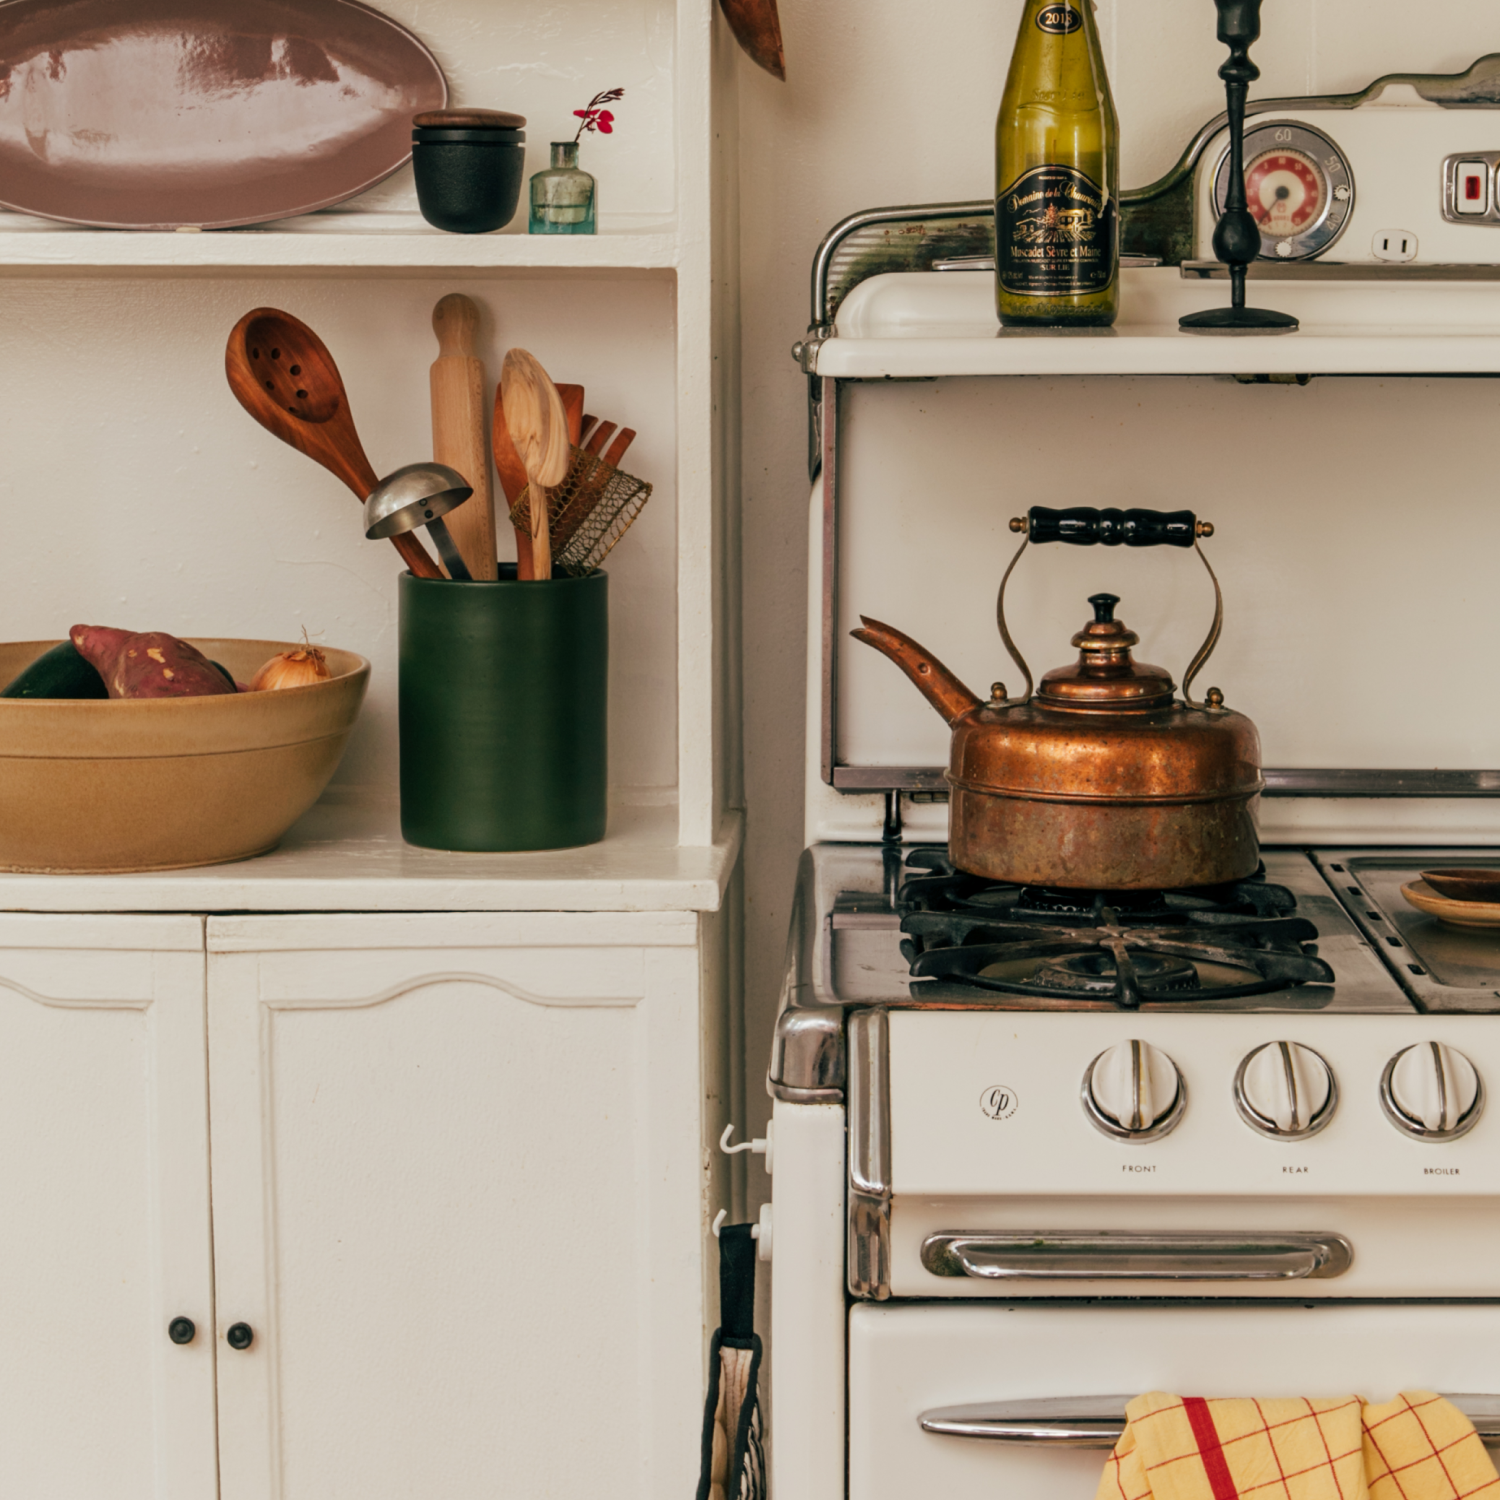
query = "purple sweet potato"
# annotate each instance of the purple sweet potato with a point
(151, 664)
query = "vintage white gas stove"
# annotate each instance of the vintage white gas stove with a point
(1038, 1150)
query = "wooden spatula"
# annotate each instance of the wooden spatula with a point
(538, 426)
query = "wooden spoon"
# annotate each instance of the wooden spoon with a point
(513, 472)
(282, 374)
(538, 426)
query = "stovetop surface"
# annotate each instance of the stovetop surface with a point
(1031, 947)
(1347, 936)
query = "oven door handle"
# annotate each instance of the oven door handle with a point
(1098, 1421)
(1072, 1256)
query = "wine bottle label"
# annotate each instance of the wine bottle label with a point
(1055, 234)
(1059, 20)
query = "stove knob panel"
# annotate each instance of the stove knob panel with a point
(1432, 1092)
(1285, 1091)
(1133, 1092)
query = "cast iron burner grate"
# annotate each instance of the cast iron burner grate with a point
(1099, 949)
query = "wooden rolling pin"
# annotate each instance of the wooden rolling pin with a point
(458, 439)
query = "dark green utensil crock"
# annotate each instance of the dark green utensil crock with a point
(503, 697)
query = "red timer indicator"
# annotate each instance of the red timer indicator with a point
(1287, 192)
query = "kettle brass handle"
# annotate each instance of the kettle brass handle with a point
(1084, 526)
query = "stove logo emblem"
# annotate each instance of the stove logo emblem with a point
(998, 1101)
(1059, 20)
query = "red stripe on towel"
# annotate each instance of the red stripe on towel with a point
(1210, 1450)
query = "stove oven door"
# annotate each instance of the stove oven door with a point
(910, 1362)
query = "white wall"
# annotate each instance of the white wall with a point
(140, 495)
(890, 103)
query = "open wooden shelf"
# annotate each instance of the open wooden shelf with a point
(348, 243)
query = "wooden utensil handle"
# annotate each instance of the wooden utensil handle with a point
(572, 400)
(417, 557)
(599, 437)
(457, 383)
(618, 447)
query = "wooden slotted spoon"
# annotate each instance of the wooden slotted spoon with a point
(538, 426)
(282, 374)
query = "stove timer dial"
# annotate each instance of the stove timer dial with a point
(1285, 1091)
(1298, 185)
(1133, 1092)
(1432, 1092)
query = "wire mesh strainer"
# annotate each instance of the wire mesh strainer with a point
(587, 513)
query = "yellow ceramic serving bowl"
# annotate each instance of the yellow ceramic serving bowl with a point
(91, 786)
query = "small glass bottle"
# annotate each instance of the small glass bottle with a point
(564, 197)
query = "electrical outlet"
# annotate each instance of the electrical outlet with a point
(1399, 245)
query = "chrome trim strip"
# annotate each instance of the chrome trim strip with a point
(1098, 1421)
(869, 1155)
(789, 1095)
(1280, 782)
(1069, 1255)
(829, 407)
(1342, 270)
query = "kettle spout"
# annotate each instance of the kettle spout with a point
(933, 680)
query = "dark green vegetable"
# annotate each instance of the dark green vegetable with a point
(227, 673)
(58, 673)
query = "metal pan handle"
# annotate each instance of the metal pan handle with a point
(1098, 1421)
(1073, 1256)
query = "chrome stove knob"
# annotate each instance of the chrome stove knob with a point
(1432, 1092)
(1134, 1092)
(1285, 1091)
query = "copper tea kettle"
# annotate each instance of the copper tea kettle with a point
(1099, 780)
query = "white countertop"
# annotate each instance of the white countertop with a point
(350, 856)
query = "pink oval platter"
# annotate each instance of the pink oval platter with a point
(164, 114)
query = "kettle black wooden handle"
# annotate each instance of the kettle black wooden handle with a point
(1083, 526)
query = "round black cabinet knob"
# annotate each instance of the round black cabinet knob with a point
(240, 1336)
(182, 1330)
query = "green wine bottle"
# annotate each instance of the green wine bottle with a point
(1057, 175)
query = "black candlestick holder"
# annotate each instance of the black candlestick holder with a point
(1237, 235)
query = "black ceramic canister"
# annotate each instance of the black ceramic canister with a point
(469, 165)
(503, 712)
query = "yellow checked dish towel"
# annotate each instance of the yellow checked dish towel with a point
(1417, 1447)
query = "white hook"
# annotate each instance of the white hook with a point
(723, 1214)
(756, 1147)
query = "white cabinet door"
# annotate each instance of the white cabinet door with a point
(458, 1174)
(104, 1221)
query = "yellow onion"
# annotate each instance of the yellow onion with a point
(288, 669)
